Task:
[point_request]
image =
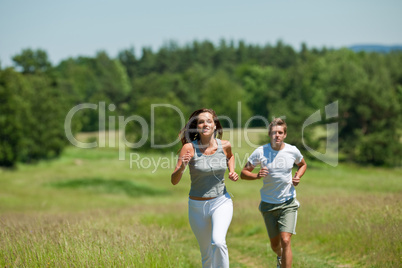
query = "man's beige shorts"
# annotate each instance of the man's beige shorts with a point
(280, 217)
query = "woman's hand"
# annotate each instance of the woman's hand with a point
(186, 154)
(186, 158)
(233, 176)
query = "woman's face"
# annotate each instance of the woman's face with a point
(205, 124)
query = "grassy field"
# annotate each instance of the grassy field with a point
(89, 209)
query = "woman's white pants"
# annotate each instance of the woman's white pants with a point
(210, 220)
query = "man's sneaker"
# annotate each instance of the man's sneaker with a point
(278, 262)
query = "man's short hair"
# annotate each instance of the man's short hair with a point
(277, 122)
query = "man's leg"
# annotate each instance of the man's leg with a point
(276, 245)
(271, 223)
(287, 256)
(287, 226)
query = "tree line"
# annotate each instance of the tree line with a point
(270, 80)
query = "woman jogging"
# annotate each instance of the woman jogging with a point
(278, 195)
(210, 207)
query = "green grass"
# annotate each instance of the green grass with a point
(89, 209)
(99, 185)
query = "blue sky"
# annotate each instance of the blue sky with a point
(73, 28)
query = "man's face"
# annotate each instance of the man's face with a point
(277, 135)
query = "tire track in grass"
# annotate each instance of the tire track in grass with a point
(245, 253)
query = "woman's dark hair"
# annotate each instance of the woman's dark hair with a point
(190, 133)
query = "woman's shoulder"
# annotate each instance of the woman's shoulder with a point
(225, 143)
(226, 147)
(188, 147)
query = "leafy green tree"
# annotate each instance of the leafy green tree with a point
(167, 59)
(195, 79)
(31, 118)
(223, 95)
(94, 80)
(369, 107)
(113, 80)
(268, 80)
(242, 53)
(77, 78)
(14, 109)
(204, 53)
(163, 117)
(146, 62)
(282, 56)
(45, 136)
(32, 61)
(79, 83)
(186, 59)
(293, 94)
(263, 86)
(129, 61)
(225, 56)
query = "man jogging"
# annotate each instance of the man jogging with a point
(278, 195)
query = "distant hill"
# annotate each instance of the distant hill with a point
(375, 48)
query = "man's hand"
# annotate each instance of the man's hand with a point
(262, 173)
(296, 180)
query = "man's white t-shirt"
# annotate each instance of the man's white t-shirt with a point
(278, 186)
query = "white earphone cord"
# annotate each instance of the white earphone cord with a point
(213, 172)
